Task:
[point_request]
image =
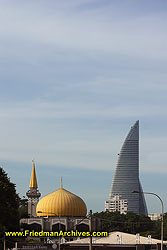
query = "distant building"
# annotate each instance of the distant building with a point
(126, 177)
(155, 216)
(116, 204)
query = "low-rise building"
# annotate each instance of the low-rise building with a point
(155, 216)
(116, 240)
(116, 203)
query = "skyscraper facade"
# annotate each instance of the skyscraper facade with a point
(126, 177)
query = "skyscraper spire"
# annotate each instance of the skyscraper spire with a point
(33, 181)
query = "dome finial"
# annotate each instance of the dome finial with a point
(61, 182)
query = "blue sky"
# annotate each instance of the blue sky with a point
(74, 77)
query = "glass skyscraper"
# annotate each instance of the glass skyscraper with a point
(126, 177)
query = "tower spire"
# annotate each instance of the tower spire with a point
(33, 181)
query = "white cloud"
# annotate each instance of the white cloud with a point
(71, 136)
(74, 110)
(141, 37)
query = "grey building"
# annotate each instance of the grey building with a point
(126, 177)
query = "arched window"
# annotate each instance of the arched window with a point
(36, 227)
(57, 227)
(82, 227)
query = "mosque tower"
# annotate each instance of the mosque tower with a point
(126, 177)
(33, 194)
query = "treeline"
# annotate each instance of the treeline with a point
(12, 207)
(131, 223)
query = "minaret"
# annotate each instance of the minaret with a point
(33, 194)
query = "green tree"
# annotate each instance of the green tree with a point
(23, 208)
(129, 223)
(9, 204)
(165, 226)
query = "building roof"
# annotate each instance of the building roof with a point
(134, 132)
(125, 238)
(61, 203)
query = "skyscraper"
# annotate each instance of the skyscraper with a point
(126, 177)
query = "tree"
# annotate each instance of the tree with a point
(128, 223)
(23, 208)
(9, 200)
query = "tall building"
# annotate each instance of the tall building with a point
(126, 177)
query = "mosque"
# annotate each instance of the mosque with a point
(59, 210)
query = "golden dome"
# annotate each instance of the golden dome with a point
(61, 203)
